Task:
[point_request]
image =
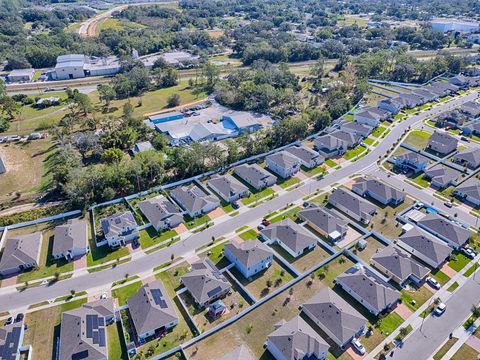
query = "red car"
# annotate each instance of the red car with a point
(265, 222)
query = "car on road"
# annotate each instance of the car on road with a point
(440, 309)
(447, 204)
(9, 320)
(357, 345)
(433, 283)
(261, 227)
(103, 296)
(463, 138)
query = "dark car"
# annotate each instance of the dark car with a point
(19, 317)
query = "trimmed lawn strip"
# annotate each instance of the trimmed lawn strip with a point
(453, 287)
(459, 262)
(418, 139)
(356, 151)
(471, 270)
(289, 182)
(116, 344)
(444, 349)
(125, 292)
(257, 196)
(150, 237)
(191, 223)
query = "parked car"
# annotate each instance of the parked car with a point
(19, 317)
(261, 227)
(433, 283)
(357, 345)
(468, 252)
(447, 204)
(9, 320)
(463, 138)
(235, 205)
(265, 222)
(440, 309)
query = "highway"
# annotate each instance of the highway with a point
(85, 281)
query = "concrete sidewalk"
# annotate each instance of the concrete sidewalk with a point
(462, 335)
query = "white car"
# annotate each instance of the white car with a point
(440, 309)
(357, 345)
(433, 283)
(468, 252)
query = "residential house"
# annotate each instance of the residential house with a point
(350, 139)
(11, 342)
(241, 352)
(283, 164)
(442, 143)
(454, 235)
(443, 88)
(255, 176)
(250, 257)
(151, 311)
(83, 331)
(70, 240)
(194, 200)
(142, 146)
(460, 80)
(296, 340)
(227, 187)
(21, 75)
(329, 146)
(472, 128)
(292, 237)
(398, 266)
(453, 118)
(392, 105)
(306, 156)
(335, 316)
(20, 253)
(119, 229)
(379, 191)
(425, 94)
(400, 102)
(469, 158)
(425, 247)
(356, 128)
(371, 116)
(471, 108)
(375, 294)
(441, 176)
(469, 191)
(160, 213)
(326, 222)
(205, 283)
(353, 205)
(411, 161)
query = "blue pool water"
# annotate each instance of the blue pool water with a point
(431, 210)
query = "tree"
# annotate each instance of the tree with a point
(160, 141)
(112, 156)
(173, 100)
(211, 73)
(106, 94)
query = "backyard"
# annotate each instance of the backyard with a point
(306, 261)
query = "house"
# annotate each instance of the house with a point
(425, 94)
(356, 128)
(240, 353)
(453, 234)
(306, 156)
(398, 266)
(21, 75)
(325, 222)
(441, 176)
(424, 247)
(349, 139)
(329, 146)
(469, 158)
(255, 176)
(119, 229)
(472, 128)
(400, 102)
(228, 188)
(71, 66)
(283, 164)
(71, 240)
(205, 283)
(20, 253)
(392, 105)
(454, 118)
(292, 237)
(472, 71)
(471, 108)
(469, 191)
(194, 200)
(161, 213)
(241, 122)
(296, 340)
(249, 257)
(442, 143)
(142, 146)
(379, 191)
(371, 116)
(460, 80)
(443, 88)
(11, 342)
(151, 311)
(83, 331)
(353, 205)
(411, 161)
(335, 316)
(375, 294)
(209, 132)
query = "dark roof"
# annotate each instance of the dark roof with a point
(373, 112)
(442, 174)
(73, 235)
(442, 142)
(440, 225)
(471, 156)
(352, 202)
(324, 219)
(192, 197)
(283, 159)
(374, 186)
(304, 153)
(292, 235)
(21, 250)
(471, 188)
(253, 173)
(113, 225)
(226, 185)
(430, 247)
(159, 210)
(10, 341)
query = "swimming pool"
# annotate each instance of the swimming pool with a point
(431, 210)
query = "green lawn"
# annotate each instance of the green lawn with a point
(314, 172)
(351, 153)
(257, 196)
(103, 254)
(150, 237)
(440, 276)
(418, 139)
(291, 213)
(368, 141)
(421, 181)
(198, 221)
(248, 235)
(389, 323)
(453, 287)
(125, 292)
(471, 270)
(330, 163)
(378, 131)
(459, 262)
(420, 296)
(116, 343)
(289, 182)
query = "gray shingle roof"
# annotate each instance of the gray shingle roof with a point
(431, 248)
(331, 311)
(374, 186)
(355, 126)
(441, 174)
(10, 341)
(438, 224)
(291, 234)
(373, 112)
(295, 339)
(254, 173)
(369, 287)
(305, 153)
(240, 353)
(113, 225)
(330, 142)
(352, 202)
(20, 250)
(471, 108)
(442, 142)
(324, 219)
(470, 156)
(192, 197)
(399, 264)
(75, 340)
(72, 235)
(249, 253)
(283, 159)
(347, 137)
(471, 188)
(150, 308)
(226, 185)
(413, 157)
(160, 211)
(204, 281)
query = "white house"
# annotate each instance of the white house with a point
(283, 163)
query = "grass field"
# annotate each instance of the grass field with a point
(291, 213)
(443, 350)
(125, 292)
(150, 237)
(465, 352)
(378, 131)
(440, 276)
(289, 182)
(421, 181)
(248, 235)
(257, 196)
(356, 151)
(418, 139)
(116, 343)
(420, 296)
(459, 261)
(197, 221)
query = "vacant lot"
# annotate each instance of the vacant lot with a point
(306, 261)
(418, 139)
(384, 221)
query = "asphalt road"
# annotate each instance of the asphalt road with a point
(423, 343)
(86, 281)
